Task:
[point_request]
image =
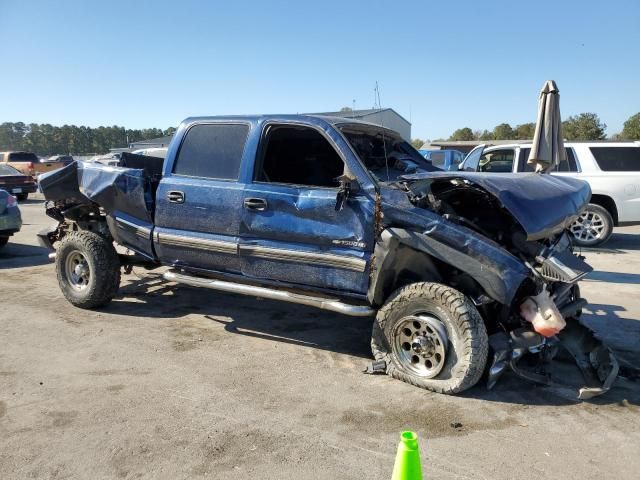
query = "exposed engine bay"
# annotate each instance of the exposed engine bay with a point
(543, 317)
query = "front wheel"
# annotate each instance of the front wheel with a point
(593, 227)
(431, 336)
(88, 269)
(3, 241)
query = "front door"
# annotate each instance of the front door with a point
(291, 230)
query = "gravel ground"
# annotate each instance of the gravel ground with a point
(171, 382)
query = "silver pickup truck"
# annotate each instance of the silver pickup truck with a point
(612, 170)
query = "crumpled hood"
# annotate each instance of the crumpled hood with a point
(541, 204)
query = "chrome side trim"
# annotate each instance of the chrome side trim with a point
(332, 305)
(140, 231)
(220, 246)
(322, 259)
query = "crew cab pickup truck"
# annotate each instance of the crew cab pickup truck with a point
(29, 163)
(612, 170)
(348, 217)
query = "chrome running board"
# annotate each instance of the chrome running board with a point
(270, 293)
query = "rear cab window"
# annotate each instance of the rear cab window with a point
(212, 151)
(438, 159)
(617, 159)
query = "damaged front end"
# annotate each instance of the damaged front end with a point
(533, 324)
(552, 330)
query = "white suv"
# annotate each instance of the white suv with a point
(612, 169)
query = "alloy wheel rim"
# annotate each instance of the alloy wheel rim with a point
(420, 344)
(77, 270)
(588, 227)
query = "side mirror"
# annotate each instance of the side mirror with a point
(348, 187)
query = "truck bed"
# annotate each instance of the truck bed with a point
(125, 195)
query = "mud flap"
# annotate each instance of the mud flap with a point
(596, 362)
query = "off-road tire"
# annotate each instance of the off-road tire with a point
(3, 241)
(607, 219)
(22, 196)
(104, 267)
(468, 344)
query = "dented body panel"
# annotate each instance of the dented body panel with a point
(542, 204)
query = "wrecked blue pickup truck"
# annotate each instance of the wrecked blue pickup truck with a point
(466, 274)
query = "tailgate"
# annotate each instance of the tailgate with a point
(47, 166)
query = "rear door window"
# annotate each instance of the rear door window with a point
(568, 165)
(212, 151)
(617, 159)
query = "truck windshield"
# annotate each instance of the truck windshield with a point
(385, 154)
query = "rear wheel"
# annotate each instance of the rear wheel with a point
(88, 269)
(593, 227)
(22, 196)
(431, 336)
(3, 241)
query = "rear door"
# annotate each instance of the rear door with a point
(291, 230)
(198, 201)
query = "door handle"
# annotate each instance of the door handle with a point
(175, 196)
(256, 204)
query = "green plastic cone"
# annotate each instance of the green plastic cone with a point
(407, 466)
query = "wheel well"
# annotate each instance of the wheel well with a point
(608, 203)
(405, 265)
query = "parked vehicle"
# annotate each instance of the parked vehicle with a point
(158, 152)
(15, 182)
(348, 217)
(110, 159)
(444, 159)
(65, 159)
(612, 170)
(10, 219)
(29, 163)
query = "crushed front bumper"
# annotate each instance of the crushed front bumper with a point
(596, 362)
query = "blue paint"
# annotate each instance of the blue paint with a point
(299, 238)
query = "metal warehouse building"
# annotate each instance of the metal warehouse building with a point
(386, 117)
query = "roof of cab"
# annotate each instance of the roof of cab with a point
(279, 117)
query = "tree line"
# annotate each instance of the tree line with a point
(45, 139)
(585, 126)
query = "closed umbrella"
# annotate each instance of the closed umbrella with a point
(548, 147)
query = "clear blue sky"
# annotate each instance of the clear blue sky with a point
(445, 64)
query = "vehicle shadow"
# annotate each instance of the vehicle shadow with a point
(151, 296)
(618, 243)
(16, 255)
(30, 201)
(242, 315)
(613, 277)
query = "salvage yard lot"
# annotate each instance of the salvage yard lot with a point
(173, 382)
